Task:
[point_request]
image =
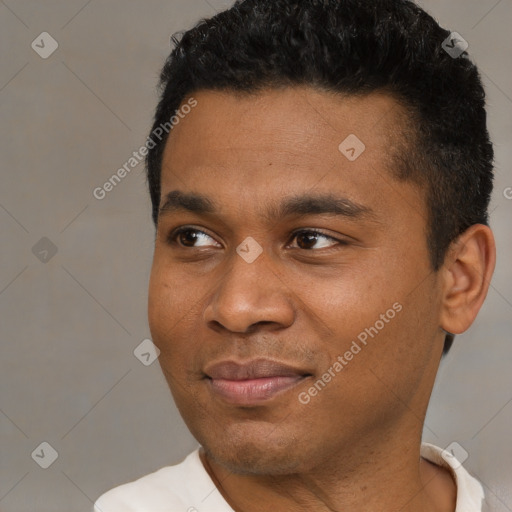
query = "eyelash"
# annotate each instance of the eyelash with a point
(171, 239)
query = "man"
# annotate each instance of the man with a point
(321, 234)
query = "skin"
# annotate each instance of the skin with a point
(356, 444)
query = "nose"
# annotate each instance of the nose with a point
(249, 295)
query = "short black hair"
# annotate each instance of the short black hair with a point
(352, 47)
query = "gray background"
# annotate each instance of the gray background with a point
(69, 325)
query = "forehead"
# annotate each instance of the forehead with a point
(298, 126)
(247, 149)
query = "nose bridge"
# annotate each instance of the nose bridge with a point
(249, 292)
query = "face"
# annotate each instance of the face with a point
(291, 293)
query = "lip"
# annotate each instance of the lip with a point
(252, 382)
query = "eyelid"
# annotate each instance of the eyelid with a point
(171, 238)
(181, 229)
(319, 232)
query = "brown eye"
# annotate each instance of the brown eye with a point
(307, 239)
(188, 237)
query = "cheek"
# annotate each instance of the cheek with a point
(173, 294)
(381, 315)
(403, 355)
(173, 310)
(349, 301)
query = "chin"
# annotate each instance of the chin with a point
(255, 455)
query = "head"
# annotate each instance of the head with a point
(276, 87)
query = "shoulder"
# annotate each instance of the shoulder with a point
(164, 490)
(470, 494)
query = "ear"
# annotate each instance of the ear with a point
(467, 273)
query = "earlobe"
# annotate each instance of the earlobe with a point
(467, 272)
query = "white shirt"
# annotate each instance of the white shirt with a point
(187, 487)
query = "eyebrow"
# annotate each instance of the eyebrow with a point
(298, 205)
